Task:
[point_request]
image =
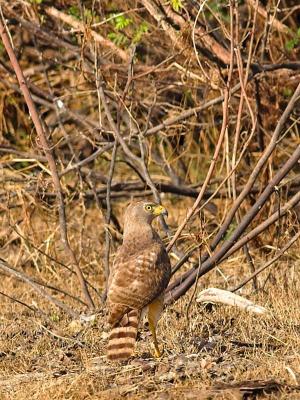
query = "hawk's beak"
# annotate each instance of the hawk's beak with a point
(160, 210)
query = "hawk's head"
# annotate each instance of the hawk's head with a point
(143, 212)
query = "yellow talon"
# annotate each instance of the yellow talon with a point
(154, 311)
(157, 352)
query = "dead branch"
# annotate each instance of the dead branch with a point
(214, 259)
(253, 176)
(155, 12)
(214, 295)
(68, 19)
(269, 263)
(108, 211)
(23, 277)
(264, 225)
(44, 142)
(139, 161)
(279, 26)
(179, 128)
(226, 95)
(162, 19)
(48, 100)
(13, 299)
(243, 80)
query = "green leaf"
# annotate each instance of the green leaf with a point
(118, 38)
(90, 16)
(287, 92)
(74, 11)
(176, 5)
(54, 317)
(141, 30)
(120, 21)
(290, 45)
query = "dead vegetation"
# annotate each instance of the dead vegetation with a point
(192, 104)
(205, 355)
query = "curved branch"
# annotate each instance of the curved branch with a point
(212, 261)
(44, 143)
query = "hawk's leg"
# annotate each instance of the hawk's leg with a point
(154, 312)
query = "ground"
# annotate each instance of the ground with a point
(160, 72)
(205, 353)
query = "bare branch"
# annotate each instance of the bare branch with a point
(44, 143)
(269, 263)
(20, 275)
(68, 19)
(213, 260)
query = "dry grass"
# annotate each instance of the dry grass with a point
(211, 352)
(55, 358)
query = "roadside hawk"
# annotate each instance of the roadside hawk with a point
(139, 275)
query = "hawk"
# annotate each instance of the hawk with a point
(139, 275)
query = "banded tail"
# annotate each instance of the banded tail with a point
(122, 337)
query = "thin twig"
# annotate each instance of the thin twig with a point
(20, 275)
(215, 258)
(68, 19)
(253, 176)
(267, 264)
(44, 143)
(108, 214)
(264, 225)
(13, 299)
(196, 204)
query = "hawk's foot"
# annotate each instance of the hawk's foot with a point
(157, 352)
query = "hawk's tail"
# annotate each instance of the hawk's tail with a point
(122, 337)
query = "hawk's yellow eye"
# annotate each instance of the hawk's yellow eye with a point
(148, 207)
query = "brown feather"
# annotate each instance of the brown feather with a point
(122, 337)
(140, 273)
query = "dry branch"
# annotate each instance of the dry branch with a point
(139, 161)
(68, 19)
(155, 12)
(214, 295)
(269, 263)
(44, 143)
(23, 277)
(279, 26)
(251, 181)
(264, 225)
(13, 299)
(213, 260)
(241, 242)
(162, 19)
(224, 127)
(179, 127)
(253, 176)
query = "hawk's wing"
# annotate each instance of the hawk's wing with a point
(136, 280)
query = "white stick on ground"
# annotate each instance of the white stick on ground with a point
(215, 295)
